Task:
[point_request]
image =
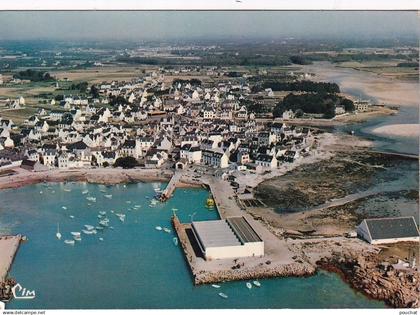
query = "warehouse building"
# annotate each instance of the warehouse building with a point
(230, 238)
(389, 230)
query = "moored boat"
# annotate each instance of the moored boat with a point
(256, 283)
(215, 286)
(69, 242)
(249, 285)
(221, 294)
(175, 240)
(159, 228)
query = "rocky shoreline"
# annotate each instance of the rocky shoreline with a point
(398, 288)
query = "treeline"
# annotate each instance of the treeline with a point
(81, 86)
(304, 86)
(33, 75)
(313, 103)
(211, 60)
(193, 82)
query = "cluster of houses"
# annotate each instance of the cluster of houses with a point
(158, 124)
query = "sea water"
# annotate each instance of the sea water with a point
(135, 266)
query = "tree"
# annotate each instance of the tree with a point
(348, 105)
(299, 113)
(126, 162)
(94, 91)
(105, 164)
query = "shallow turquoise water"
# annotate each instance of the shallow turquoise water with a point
(135, 266)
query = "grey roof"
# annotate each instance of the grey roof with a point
(386, 228)
(243, 230)
(215, 233)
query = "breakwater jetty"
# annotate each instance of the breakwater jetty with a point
(9, 246)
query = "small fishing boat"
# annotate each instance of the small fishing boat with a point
(128, 201)
(166, 230)
(210, 202)
(103, 223)
(84, 192)
(75, 233)
(58, 234)
(93, 199)
(101, 239)
(256, 283)
(249, 285)
(102, 212)
(64, 207)
(111, 227)
(69, 242)
(159, 228)
(71, 216)
(215, 286)
(175, 240)
(89, 232)
(122, 218)
(99, 228)
(40, 192)
(112, 211)
(100, 216)
(67, 190)
(108, 196)
(89, 227)
(221, 294)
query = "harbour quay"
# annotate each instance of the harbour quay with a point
(223, 261)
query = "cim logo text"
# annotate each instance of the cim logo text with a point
(21, 293)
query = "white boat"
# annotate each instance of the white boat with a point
(77, 238)
(67, 190)
(167, 230)
(103, 223)
(89, 227)
(215, 286)
(128, 201)
(40, 192)
(89, 232)
(75, 233)
(159, 228)
(84, 192)
(93, 199)
(58, 234)
(69, 242)
(101, 239)
(71, 216)
(99, 228)
(153, 201)
(102, 212)
(121, 217)
(111, 227)
(108, 196)
(100, 216)
(249, 285)
(221, 294)
(175, 240)
(256, 283)
(64, 207)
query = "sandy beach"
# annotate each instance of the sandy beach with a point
(398, 130)
(384, 89)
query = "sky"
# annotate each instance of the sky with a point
(166, 25)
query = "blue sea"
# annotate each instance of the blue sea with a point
(135, 266)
